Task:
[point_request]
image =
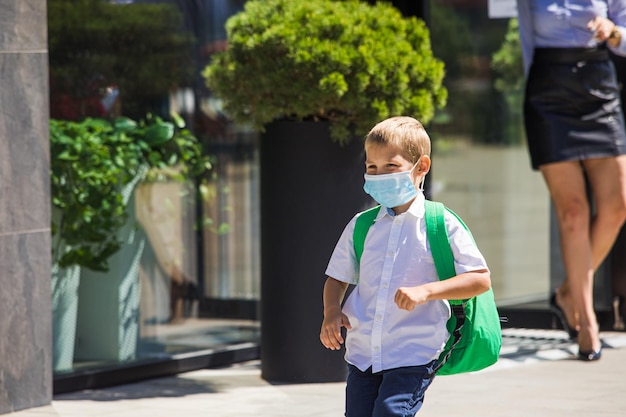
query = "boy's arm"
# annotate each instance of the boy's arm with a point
(334, 319)
(462, 286)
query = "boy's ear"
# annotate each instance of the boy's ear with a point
(424, 164)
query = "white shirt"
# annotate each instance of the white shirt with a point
(396, 254)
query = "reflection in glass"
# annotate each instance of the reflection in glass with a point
(186, 279)
(480, 163)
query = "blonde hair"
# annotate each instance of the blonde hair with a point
(402, 132)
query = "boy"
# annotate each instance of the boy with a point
(396, 316)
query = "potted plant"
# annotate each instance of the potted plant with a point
(311, 76)
(97, 164)
(346, 62)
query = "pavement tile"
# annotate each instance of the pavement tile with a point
(537, 376)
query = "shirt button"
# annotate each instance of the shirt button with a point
(390, 253)
(379, 317)
(376, 348)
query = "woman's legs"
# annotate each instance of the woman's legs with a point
(584, 246)
(567, 187)
(607, 177)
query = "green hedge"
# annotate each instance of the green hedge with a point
(348, 62)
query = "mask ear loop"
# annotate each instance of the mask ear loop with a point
(422, 181)
(420, 185)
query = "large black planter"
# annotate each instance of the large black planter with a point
(310, 188)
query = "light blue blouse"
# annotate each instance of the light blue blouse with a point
(563, 24)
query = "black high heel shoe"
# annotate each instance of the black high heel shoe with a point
(573, 333)
(589, 356)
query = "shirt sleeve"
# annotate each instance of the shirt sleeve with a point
(617, 14)
(342, 265)
(467, 256)
(525, 22)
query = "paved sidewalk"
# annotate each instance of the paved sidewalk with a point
(537, 376)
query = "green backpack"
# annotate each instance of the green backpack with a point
(474, 326)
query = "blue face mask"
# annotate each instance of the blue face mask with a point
(391, 190)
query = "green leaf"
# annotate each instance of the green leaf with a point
(124, 124)
(159, 133)
(178, 121)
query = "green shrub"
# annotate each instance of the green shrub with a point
(93, 161)
(347, 62)
(507, 62)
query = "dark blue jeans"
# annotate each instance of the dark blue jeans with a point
(392, 393)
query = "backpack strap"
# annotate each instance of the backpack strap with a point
(438, 239)
(444, 263)
(361, 227)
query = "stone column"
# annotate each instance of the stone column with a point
(25, 300)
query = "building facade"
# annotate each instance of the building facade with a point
(25, 303)
(184, 290)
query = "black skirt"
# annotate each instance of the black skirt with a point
(572, 107)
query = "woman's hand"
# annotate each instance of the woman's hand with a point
(604, 30)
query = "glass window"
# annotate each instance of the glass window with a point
(185, 277)
(480, 164)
